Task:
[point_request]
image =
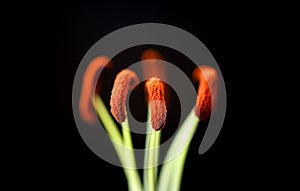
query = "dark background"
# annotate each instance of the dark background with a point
(71, 28)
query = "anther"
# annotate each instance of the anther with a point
(124, 81)
(158, 109)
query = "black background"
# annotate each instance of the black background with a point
(71, 28)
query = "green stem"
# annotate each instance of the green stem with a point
(151, 156)
(151, 178)
(133, 179)
(173, 167)
(147, 143)
(156, 153)
(178, 167)
(126, 134)
(108, 122)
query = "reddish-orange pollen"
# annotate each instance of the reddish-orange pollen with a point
(207, 90)
(152, 65)
(125, 80)
(86, 108)
(158, 109)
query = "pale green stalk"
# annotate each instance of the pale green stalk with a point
(108, 122)
(133, 179)
(151, 156)
(147, 143)
(178, 166)
(171, 172)
(156, 155)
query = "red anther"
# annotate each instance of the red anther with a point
(86, 108)
(124, 81)
(158, 109)
(207, 89)
(152, 65)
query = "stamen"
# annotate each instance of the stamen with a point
(158, 109)
(152, 65)
(207, 78)
(124, 81)
(86, 108)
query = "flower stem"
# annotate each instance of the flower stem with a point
(156, 153)
(171, 172)
(108, 122)
(134, 180)
(121, 146)
(178, 167)
(151, 156)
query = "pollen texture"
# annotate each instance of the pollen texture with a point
(207, 78)
(158, 109)
(124, 81)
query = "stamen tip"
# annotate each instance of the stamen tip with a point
(125, 80)
(207, 78)
(158, 109)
